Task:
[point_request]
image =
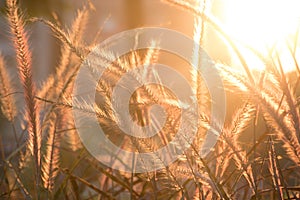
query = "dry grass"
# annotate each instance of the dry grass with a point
(257, 155)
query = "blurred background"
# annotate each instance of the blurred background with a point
(259, 28)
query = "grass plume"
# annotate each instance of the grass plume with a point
(24, 65)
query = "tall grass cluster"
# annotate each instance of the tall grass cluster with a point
(257, 155)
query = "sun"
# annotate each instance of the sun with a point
(263, 24)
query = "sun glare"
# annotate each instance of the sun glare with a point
(263, 24)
